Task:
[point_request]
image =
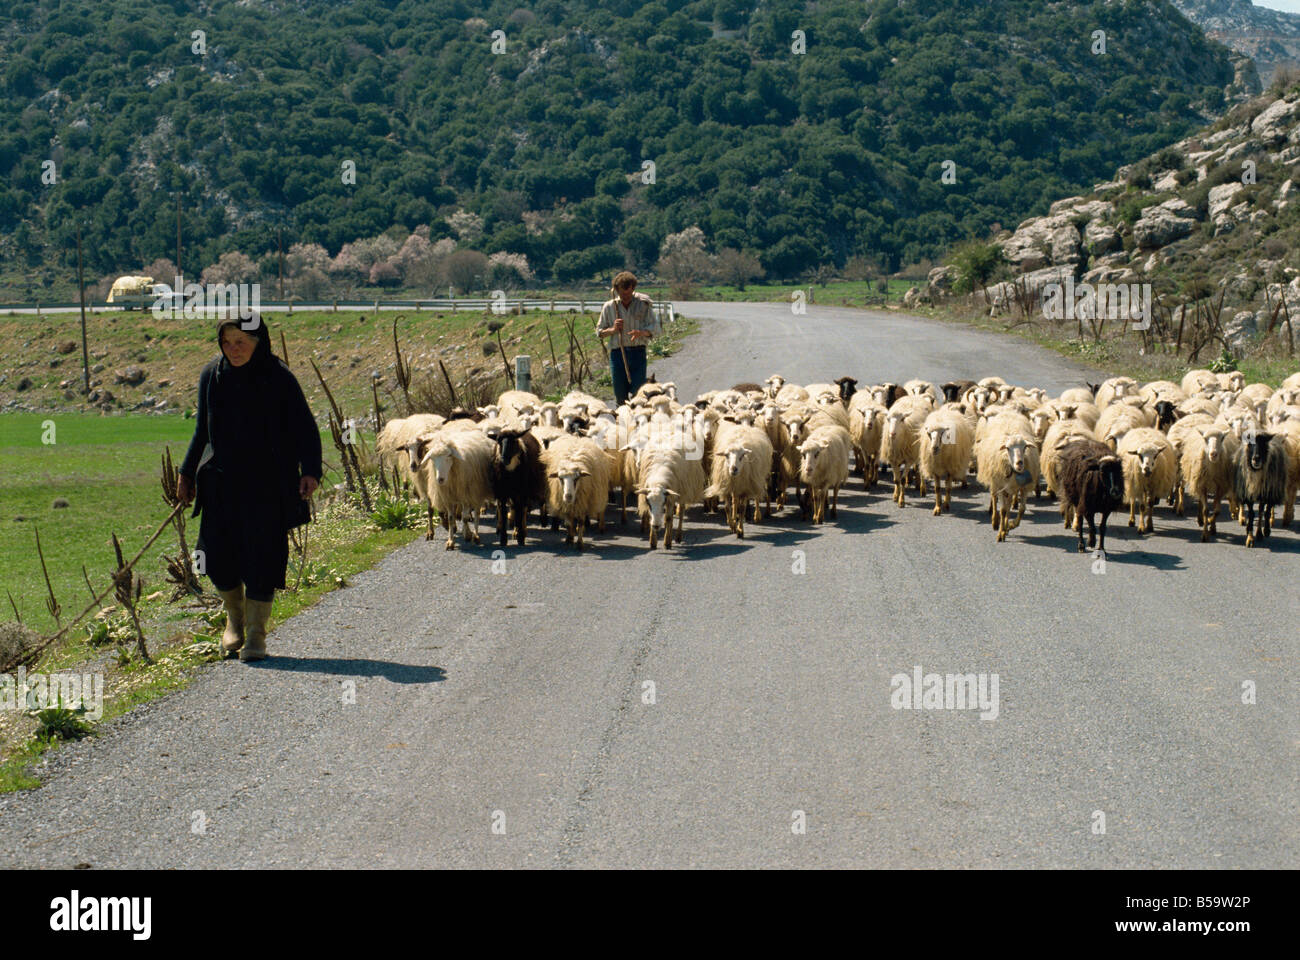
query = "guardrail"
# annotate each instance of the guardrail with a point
(503, 306)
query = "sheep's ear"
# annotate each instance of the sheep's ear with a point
(554, 476)
(584, 473)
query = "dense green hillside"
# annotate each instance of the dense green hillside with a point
(801, 159)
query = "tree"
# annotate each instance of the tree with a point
(736, 268)
(231, 267)
(977, 263)
(464, 270)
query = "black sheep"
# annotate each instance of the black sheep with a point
(848, 387)
(518, 480)
(1092, 481)
(953, 390)
(1259, 479)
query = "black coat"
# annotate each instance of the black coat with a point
(263, 439)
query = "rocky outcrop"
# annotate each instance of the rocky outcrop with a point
(1269, 38)
(1159, 226)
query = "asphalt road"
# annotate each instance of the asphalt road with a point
(519, 699)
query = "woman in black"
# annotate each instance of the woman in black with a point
(256, 460)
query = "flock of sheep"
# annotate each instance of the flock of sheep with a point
(1211, 438)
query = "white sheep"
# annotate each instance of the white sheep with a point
(900, 445)
(1197, 381)
(946, 442)
(1206, 472)
(1114, 389)
(740, 471)
(1117, 420)
(457, 465)
(824, 467)
(1007, 465)
(1149, 471)
(866, 426)
(577, 484)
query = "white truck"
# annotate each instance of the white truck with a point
(132, 292)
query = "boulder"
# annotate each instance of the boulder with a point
(1238, 331)
(1101, 238)
(939, 282)
(132, 376)
(1064, 243)
(1159, 226)
(912, 298)
(67, 346)
(1165, 182)
(1181, 208)
(1275, 122)
(1220, 197)
(1284, 194)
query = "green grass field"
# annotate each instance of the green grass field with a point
(107, 468)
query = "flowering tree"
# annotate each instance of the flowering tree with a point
(232, 267)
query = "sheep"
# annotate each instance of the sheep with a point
(866, 425)
(1292, 382)
(885, 393)
(829, 414)
(1117, 420)
(791, 392)
(900, 442)
(1150, 468)
(518, 481)
(1289, 431)
(1260, 472)
(774, 383)
(576, 471)
(1232, 380)
(1114, 389)
(955, 390)
(1255, 393)
(848, 387)
(824, 467)
(519, 401)
(661, 469)
(1007, 465)
(917, 388)
(1091, 482)
(457, 465)
(1205, 466)
(1199, 405)
(795, 421)
(1195, 381)
(1178, 435)
(779, 436)
(945, 447)
(1059, 435)
(1282, 397)
(1162, 389)
(740, 470)
(1077, 395)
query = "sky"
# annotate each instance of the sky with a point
(1290, 6)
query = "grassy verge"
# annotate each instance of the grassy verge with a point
(1119, 355)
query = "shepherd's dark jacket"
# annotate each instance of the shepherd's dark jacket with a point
(262, 438)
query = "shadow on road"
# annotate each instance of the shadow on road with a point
(395, 672)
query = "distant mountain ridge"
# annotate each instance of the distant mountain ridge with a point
(1270, 37)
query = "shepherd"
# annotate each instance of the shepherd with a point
(628, 319)
(251, 468)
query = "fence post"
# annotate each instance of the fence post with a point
(291, 306)
(523, 374)
(552, 305)
(336, 306)
(38, 308)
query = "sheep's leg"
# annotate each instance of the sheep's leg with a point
(502, 535)
(668, 526)
(1102, 545)
(1212, 517)
(1265, 519)
(947, 496)
(1003, 513)
(1248, 509)
(568, 530)
(681, 523)
(902, 485)
(1092, 530)
(1024, 502)
(521, 513)
(1132, 512)
(433, 525)
(1288, 512)
(582, 527)
(938, 500)
(835, 503)
(450, 524)
(654, 537)
(742, 504)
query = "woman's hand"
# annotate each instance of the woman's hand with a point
(618, 325)
(639, 335)
(185, 489)
(307, 486)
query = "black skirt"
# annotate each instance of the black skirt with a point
(242, 532)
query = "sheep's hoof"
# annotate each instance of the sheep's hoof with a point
(1250, 541)
(430, 536)
(936, 511)
(1082, 548)
(450, 545)
(741, 534)
(1132, 522)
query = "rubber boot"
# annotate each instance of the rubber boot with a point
(256, 614)
(233, 637)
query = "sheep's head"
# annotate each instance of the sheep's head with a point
(1015, 447)
(848, 386)
(1066, 411)
(797, 427)
(1213, 437)
(774, 384)
(1146, 457)
(670, 388)
(1238, 421)
(1257, 444)
(550, 414)
(490, 412)
(415, 450)
(936, 436)
(1040, 419)
(1235, 380)
(510, 448)
(982, 396)
(659, 498)
(735, 458)
(808, 454)
(1166, 414)
(569, 473)
(1112, 478)
(441, 456)
(894, 422)
(1005, 392)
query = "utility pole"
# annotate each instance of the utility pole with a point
(81, 290)
(279, 245)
